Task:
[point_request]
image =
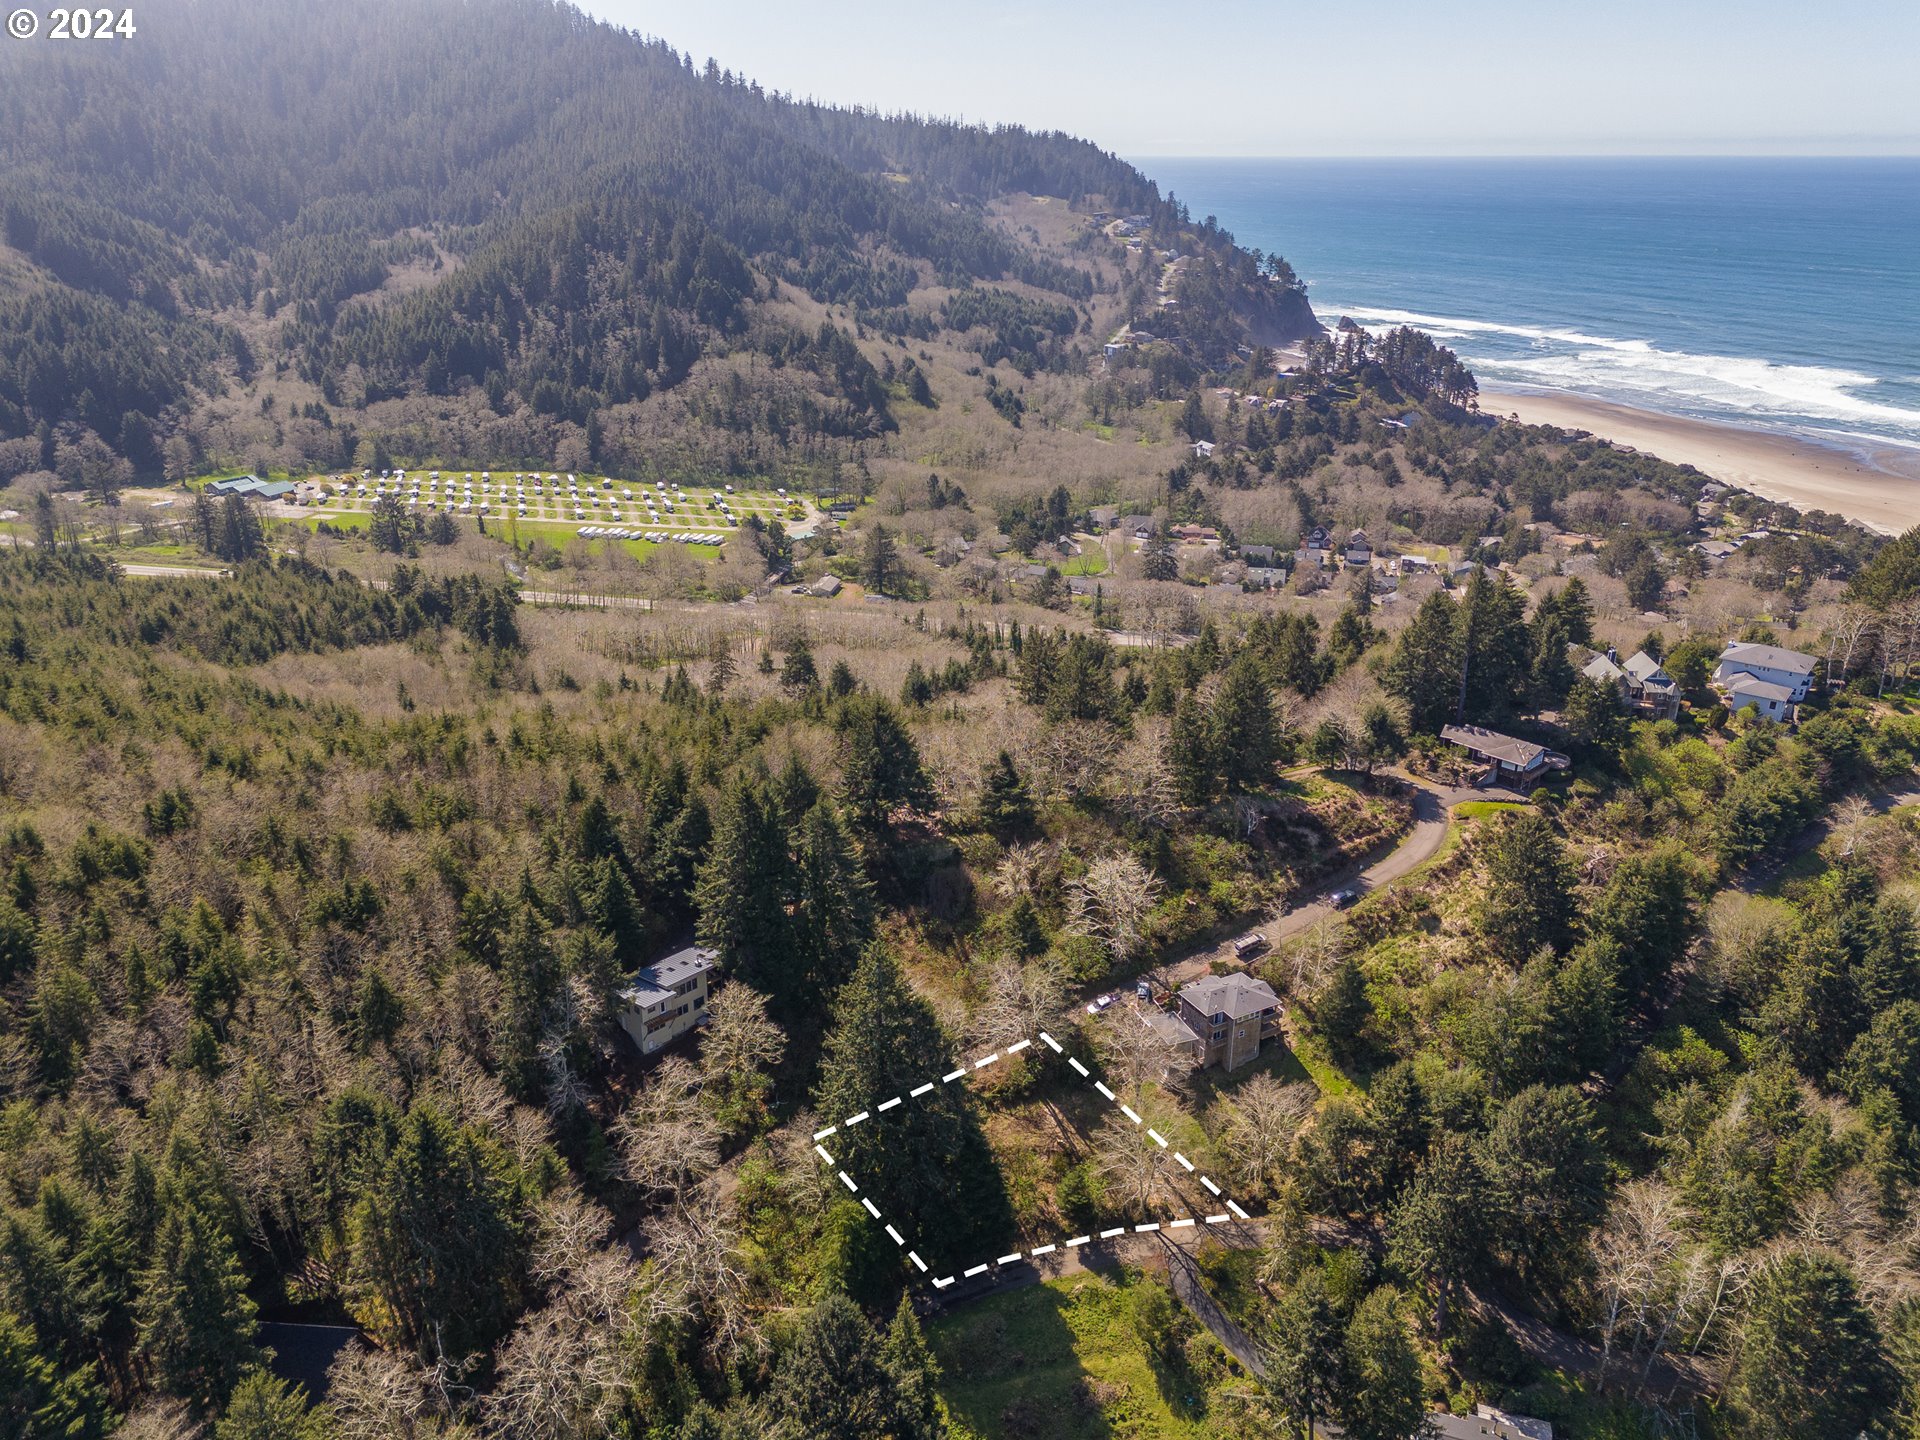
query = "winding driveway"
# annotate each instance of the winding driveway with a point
(1431, 804)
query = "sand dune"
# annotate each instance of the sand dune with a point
(1879, 486)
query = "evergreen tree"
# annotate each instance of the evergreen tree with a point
(1244, 744)
(1425, 668)
(436, 1245)
(929, 1157)
(797, 672)
(1190, 752)
(1551, 672)
(909, 1361)
(1303, 1352)
(1436, 1234)
(1005, 803)
(196, 1321)
(741, 894)
(1528, 901)
(879, 560)
(1493, 640)
(834, 1383)
(37, 1399)
(1546, 1179)
(835, 914)
(880, 768)
(265, 1407)
(1157, 560)
(1807, 1363)
(1592, 715)
(1382, 1394)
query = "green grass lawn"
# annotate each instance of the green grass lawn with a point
(1090, 561)
(1480, 809)
(1061, 1360)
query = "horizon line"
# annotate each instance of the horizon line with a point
(1138, 155)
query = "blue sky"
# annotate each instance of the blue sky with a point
(1347, 77)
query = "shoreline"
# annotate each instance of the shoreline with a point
(1878, 487)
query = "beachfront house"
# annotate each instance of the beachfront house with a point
(1767, 679)
(667, 998)
(1230, 1016)
(1504, 759)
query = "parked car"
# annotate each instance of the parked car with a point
(1099, 1003)
(1251, 943)
(1341, 899)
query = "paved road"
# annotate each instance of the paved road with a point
(1431, 803)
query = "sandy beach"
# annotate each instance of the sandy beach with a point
(1879, 487)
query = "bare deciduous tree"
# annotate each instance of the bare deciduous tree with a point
(1111, 902)
(1020, 1000)
(1131, 1163)
(667, 1138)
(559, 1379)
(1259, 1123)
(739, 1037)
(1020, 871)
(697, 1267)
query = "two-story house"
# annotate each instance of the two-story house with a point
(1767, 679)
(1230, 1015)
(1642, 683)
(667, 998)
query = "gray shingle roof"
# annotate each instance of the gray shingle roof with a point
(1236, 995)
(1772, 657)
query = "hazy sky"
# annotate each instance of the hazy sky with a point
(1346, 77)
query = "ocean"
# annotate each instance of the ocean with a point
(1780, 294)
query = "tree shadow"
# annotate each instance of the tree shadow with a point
(1012, 1366)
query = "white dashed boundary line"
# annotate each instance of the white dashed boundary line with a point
(1186, 1222)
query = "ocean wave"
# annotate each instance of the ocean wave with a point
(1735, 386)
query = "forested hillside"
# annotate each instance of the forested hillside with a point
(503, 198)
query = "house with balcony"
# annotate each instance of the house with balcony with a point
(1643, 685)
(1230, 1017)
(1505, 759)
(1767, 679)
(667, 998)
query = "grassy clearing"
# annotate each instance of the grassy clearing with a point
(1090, 561)
(1480, 809)
(1061, 1360)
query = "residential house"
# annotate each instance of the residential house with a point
(1359, 549)
(1136, 527)
(1487, 1423)
(1103, 516)
(1257, 554)
(1767, 678)
(1081, 585)
(1716, 550)
(1183, 1045)
(826, 586)
(1319, 539)
(1203, 449)
(1265, 577)
(1230, 1016)
(1508, 761)
(667, 998)
(1642, 683)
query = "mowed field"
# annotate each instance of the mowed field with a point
(560, 509)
